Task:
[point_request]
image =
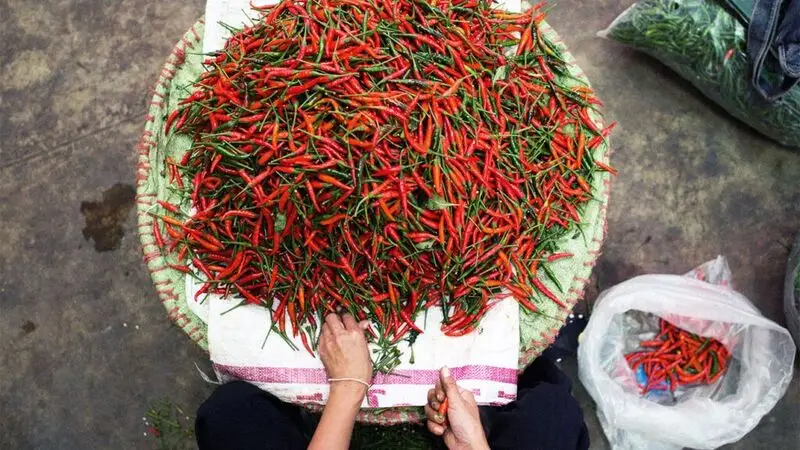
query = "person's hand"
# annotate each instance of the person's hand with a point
(344, 353)
(460, 426)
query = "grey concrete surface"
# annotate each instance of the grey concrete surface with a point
(85, 346)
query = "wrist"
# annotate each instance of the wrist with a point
(482, 445)
(475, 440)
(347, 391)
(478, 445)
(479, 441)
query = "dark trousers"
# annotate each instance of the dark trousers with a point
(240, 416)
(545, 415)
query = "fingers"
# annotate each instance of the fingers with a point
(325, 333)
(450, 440)
(431, 395)
(432, 399)
(433, 415)
(435, 428)
(439, 389)
(349, 322)
(333, 321)
(449, 384)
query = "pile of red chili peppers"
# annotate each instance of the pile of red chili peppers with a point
(676, 357)
(382, 157)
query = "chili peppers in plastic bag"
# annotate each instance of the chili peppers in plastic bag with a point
(676, 357)
(698, 314)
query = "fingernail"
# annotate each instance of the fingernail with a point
(439, 418)
(445, 372)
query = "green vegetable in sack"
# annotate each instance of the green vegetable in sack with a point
(706, 44)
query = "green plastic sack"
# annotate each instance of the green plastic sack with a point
(706, 45)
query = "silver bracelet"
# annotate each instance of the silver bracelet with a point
(331, 380)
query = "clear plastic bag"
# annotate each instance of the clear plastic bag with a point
(791, 294)
(703, 417)
(705, 44)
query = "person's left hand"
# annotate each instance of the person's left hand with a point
(344, 352)
(461, 425)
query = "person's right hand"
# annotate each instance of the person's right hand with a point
(461, 428)
(344, 353)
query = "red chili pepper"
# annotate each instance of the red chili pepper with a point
(172, 116)
(304, 338)
(179, 267)
(557, 256)
(606, 167)
(547, 292)
(157, 234)
(443, 407)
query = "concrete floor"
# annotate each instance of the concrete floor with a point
(85, 346)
